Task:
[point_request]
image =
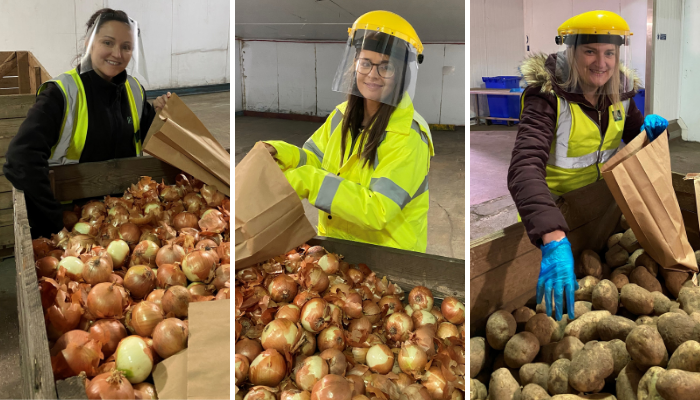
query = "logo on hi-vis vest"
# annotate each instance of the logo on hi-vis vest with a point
(617, 115)
(128, 120)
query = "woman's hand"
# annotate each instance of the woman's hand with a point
(159, 102)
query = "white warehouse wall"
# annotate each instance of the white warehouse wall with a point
(690, 79)
(296, 78)
(186, 42)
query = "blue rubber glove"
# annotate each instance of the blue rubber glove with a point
(557, 275)
(654, 125)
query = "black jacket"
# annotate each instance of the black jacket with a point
(110, 135)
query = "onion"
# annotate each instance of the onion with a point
(42, 247)
(144, 317)
(398, 326)
(98, 269)
(422, 318)
(439, 318)
(315, 315)
(453, 310)
(336, 315)
(249, 348)
(175, 301)
(145, 391)
(58, 253)
(170, 275)
(423, 337)
(110, 385)
(258, 393)
(170, 193)
(415, 391)
(114, 278)
(420, 298)
(332, 387)
(185, 220)
(139, 280)
(360, 397)
(130, 233)
(155, 296)
(446, 330)
(303, 297)
(75, 351)
(212, 221)
(46, 267)
(409, 310)
(223, 294)
(329, 263)
(170, 337)
(199, 289)
(119, 251)
(359, 329)
(94, 209)
(106, 367)
(210, 247)
(106, 300)
(316, 280)
(331, 338)
(65, 313)
(392, 303)
(412, 359)
(380, 359)
(359, 384)
(308, 347)
(359, 354)
(311, 370)
(241, 368)
(280, 334)
(70, 218)
(199, 266)
(295, 394)
(282, 289)
(83, 228)
(224, 251)
(170, 254)
(372, 311)
(213, 197)
(145, 254)
(355, 276)
(435, 382)
(193, 203)
(290, 312)
(134, 358)
(268, 369)
(74, 268)
(337, 363)
(222, 274)
(314, 253)
(112, 329)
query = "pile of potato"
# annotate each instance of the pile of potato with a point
(636, 336)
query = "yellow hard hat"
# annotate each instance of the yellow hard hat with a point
(389, 23)
(599, 23)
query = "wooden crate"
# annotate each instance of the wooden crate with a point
(21, 74)
(504, 266)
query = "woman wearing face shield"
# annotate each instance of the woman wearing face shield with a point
(576, 109)
(94, 112)
(366, 168)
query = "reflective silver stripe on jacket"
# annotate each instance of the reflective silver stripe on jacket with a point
(70, 97)
(394, 192)
(302, 158)
(327, 192)
(310, 145)
(415, 126)
(335, 121)
(563, 133)
(138, 96)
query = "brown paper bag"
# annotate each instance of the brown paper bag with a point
(639, 178)
(179, 138)
(170, 376)
(209, 348)
(270, 218)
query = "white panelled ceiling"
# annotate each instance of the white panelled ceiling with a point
(434, 20)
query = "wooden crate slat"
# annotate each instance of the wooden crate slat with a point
(33, 62)
(6, 200)
(8, 66)
(35, 362)
(6, 217)
(7, 236)
(16, 105)
(8, 91)
(5, 185)
(11, 82)
(23, 72)
(9, 127)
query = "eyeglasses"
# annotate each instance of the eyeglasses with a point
(364, 66)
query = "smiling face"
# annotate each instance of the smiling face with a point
(596, 63)
(112, 49)
(372, 85)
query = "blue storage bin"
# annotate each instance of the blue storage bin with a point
(639, 100)
(503, 106)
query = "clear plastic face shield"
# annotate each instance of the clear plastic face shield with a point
(112, 46)
(377, 66)
(590, 63)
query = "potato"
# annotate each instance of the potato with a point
(674, 307)
(534, 392)
(618, 350)
(546, 354)
(686, 357)
(478, 354)
(625, 269)
(689, 299)
(647, 385)
(567, 348)
(521, 349)
(629, 241)
(585, 288)
(627, 381)
(536, 373)
(633, 257)
(616, 256)
(615, 327)
(605, 296)
(697, 257)
(542, 327)
(646, 320)
(678, 384)
(558, 333)
(695, 316)
(620, 280)
(541, 308)
(641, 277)
(675, 329)
(477, 390)
(522, 315)
(662, 304)
(636, 299)
(500, 327)
(558, 380)
(614, 239)
(674, 280)
(582, 307)
(646, 347)
(623, 223)
(589, 264)
(678, 311)
(590, 367)
(503, 386)
(645, 260)
(585, 328)
(594, 396)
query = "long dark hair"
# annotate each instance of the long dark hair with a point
(107, 15)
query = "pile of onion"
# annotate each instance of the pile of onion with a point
(311, 326)
(114, 283)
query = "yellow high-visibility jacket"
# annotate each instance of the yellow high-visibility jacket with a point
(383, 203)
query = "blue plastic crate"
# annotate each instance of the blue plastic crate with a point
(639, 100)
(501, 106)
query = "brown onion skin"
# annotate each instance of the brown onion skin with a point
(309, 347)
(145, 391)
(303, 297)
(224, 251)
(275, 333)
(250, 348)
(331, 338)
(282, 289)
(359, 385)
(241, 368)
(175, 302)
(170, 254)
(453, 310)
(106, 300)
(392, 303)
(169, 337)
(156, 296)
(185, 220)
(145, 316)
(290, 312)
(337, 362)
(332, 387)
(170, 275)
(47, 267)
(101, 387)
(267, 369)
(371, 311)
(140, 280)
(421, 298)
(315, 314)
(398, 327)
(114, 329)
(130, 233)
(221, 275)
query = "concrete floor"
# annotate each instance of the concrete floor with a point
(490, 205)
(446, 229)
(214, 112)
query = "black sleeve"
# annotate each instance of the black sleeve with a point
(633, 123)
(146, 116)
(27, 165)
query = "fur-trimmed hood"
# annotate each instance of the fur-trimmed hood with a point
(538, 70)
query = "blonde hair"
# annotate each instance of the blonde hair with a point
(611, 89)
